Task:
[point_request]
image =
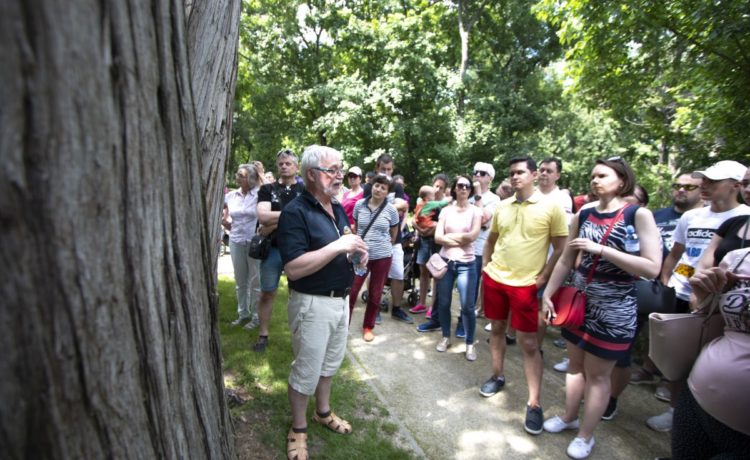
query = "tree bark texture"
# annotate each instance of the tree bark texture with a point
(108, 323)
(213, 40)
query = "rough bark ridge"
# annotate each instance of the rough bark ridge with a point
(213, 32)
(108, 324)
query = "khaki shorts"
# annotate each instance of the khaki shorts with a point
(320, 327)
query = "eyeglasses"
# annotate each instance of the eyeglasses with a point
(481, 173)
(332, 171)
(463, 185)
(241, 176)
(687, 187)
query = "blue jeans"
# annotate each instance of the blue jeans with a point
(465, 275)
(478, 265)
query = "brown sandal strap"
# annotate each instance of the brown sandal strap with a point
(334, 423)
(296, 446)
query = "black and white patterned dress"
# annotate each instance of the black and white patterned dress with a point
(610, 321)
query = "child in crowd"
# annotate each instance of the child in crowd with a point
(425, 221)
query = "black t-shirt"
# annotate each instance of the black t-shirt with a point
(279, 196)
(729, 239)
(304, 226)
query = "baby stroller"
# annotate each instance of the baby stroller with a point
(410, 244)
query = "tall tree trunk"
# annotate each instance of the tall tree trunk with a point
(108, 324)
(213, 39)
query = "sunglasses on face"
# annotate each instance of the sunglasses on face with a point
(463, 185)
(687, 187)
(352, 176)
(481, 173)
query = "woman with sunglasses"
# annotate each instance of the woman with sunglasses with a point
(354, 193)
(608, 330)
(458, 227)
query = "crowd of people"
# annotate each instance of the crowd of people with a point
(507, 253)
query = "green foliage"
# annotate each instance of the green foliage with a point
(677, 72)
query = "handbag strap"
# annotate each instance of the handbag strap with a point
(604, 242)
(373, 218)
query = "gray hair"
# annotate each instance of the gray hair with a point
(252, 171)
(312, 155)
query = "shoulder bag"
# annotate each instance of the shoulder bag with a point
(437, 266)
(676, 339)
(259, 246)
(569, 301)
(654, 297)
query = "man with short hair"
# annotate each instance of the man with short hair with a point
(720, 187)
(515, 267)
(272, 199)
(316, 257)
(384, 165)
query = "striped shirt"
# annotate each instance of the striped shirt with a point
(378, 237)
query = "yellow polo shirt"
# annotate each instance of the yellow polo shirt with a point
(524, 229)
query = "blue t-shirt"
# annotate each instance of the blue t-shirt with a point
(666, 221)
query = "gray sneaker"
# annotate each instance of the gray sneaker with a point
(240, 321)
(253, 323)
(663, 393)
(661, 422)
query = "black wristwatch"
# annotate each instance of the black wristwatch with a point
(477, 197)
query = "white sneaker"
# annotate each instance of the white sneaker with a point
(253, 323)
(556, 425)
(580, 448)
(662, 422)
(562, 366)
(488, 327)
(443, 345)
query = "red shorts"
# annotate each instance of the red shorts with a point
(500, 299)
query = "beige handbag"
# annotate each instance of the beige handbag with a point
(437, 266)
(676, 339)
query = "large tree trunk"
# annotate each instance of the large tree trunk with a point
(108, 321)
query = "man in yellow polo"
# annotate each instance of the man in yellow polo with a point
(515, 271)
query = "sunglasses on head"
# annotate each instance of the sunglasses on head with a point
(616, 158)
(481, 173)
(687, 187)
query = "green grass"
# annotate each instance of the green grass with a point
(263, 378)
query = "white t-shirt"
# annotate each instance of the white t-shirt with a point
(563, 199)
(489, 201)
(694, 231)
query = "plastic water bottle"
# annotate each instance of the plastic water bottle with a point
(632, 245)
(358, 269)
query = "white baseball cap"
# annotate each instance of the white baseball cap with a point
(726, 169)
(486, 167)
(355, 170)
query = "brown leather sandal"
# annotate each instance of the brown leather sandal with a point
(334, 423)
(296, 445)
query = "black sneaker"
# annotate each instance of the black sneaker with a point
(492, 386)
(560, 343)
(510, 340)
(429, 326)
(611, 411)
(261, 344)
(399, 314)
(534, 420)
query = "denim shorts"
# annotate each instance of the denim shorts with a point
(270, 270)
(425, 250)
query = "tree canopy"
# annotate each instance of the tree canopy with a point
(441, 85)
